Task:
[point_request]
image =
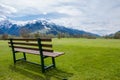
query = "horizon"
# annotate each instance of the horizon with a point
(96, 16)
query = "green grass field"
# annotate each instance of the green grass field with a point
(84, 59)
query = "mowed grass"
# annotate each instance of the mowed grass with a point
(84, 59)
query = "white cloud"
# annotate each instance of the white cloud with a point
(31, 6)
(6, 10)
(98, 16)
(69, 10)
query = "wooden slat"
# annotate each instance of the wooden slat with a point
(25, 47)
(24, 39)
(23, 43)
(27, 51)
(47, 50)
(48, 40)
(50, 54)
(9, 42)
(31, 44)
(46, 45)
(53, 54)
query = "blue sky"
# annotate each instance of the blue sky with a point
(97, 16)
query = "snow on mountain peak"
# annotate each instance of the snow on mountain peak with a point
(5, 23)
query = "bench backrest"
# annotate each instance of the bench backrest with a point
(32, 44)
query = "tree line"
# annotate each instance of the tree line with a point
(26, 33)
(113, 36)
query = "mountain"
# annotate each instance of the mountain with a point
(42, 26)
(111, 35)
(117, 35)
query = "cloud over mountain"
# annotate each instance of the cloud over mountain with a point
(6, 11)
(98, 16)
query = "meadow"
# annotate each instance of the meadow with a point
(84, 59)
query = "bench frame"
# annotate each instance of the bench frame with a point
(42, 57)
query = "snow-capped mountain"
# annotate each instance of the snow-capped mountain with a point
(5, 24)
(43, 26)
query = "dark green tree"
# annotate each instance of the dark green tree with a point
(117, 35)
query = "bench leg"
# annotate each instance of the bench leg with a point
(42, 64)
(14, 57)
(53, 62)
(24, 56)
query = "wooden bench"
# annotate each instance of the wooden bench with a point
(41, 47)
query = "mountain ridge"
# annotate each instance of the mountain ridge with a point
(8, 27)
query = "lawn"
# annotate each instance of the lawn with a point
(84, 59)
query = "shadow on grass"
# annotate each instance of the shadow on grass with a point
(34, 72)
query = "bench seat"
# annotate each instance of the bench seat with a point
(50, 54)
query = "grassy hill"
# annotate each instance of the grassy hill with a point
(85, 59)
